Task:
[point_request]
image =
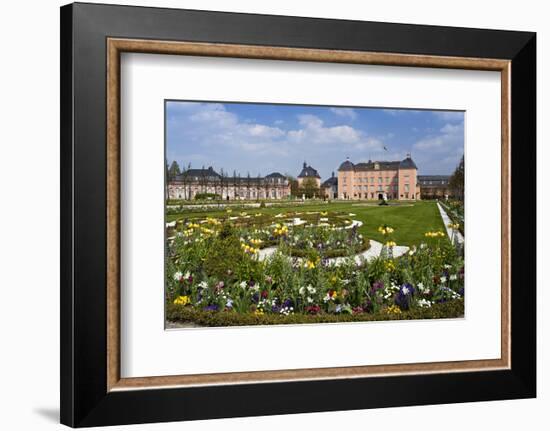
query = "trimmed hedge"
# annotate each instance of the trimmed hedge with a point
(182, 314)
(297, 252)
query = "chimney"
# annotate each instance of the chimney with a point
(305, 164)
(332, 174)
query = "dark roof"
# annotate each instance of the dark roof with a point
(371, 166)
(211, 175)
(199, 173)
(332, 181)
(381, 165)
(346, 166)
(433, 180)
(308, 171)
(407, 164)
(275, 175)
(433, 177)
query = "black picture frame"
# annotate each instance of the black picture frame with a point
(85, 400)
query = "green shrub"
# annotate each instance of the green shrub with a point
(180, 313)
(339, 252)
(224, 255)
(209, 196)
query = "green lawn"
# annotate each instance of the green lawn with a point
(410, 220)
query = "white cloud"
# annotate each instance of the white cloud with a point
(344, 112)
(314, 132)
(451, 128)
(210, 124)
(227, 140)
(265, 131)
(451, 116)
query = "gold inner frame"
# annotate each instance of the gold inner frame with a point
(117, 46)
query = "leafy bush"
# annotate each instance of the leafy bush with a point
(209, 196)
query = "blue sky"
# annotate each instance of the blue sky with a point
(263, 138)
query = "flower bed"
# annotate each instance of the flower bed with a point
(213, 266)
(455, 211)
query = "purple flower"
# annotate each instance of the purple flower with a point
(461, 291)
(403, 297)
(376, 286)
(407, 289)
(287, 303)
(213, 307)
(256, 297)
(275, 309)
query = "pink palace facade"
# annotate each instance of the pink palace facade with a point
(378, 180)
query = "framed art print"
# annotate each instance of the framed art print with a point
(319, 215)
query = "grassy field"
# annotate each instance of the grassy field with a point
(410, 220)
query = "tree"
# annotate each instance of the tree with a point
(174, 170)
(234, 184)
(456, 182)
(167, 188)
(294, 187)
(222, 181)
(309, 188)
(258, 185)
(248, 184)
(186, 183)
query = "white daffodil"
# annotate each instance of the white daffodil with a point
(453, 277)
(242, 284)
(443, 279)
(203, 285)
(178, 275)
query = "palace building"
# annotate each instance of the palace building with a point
(434, 186)
(329, 188)
(378, 180)
(309, 172)
(207, 181)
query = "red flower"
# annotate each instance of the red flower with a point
(264, 293)
(313, 309)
